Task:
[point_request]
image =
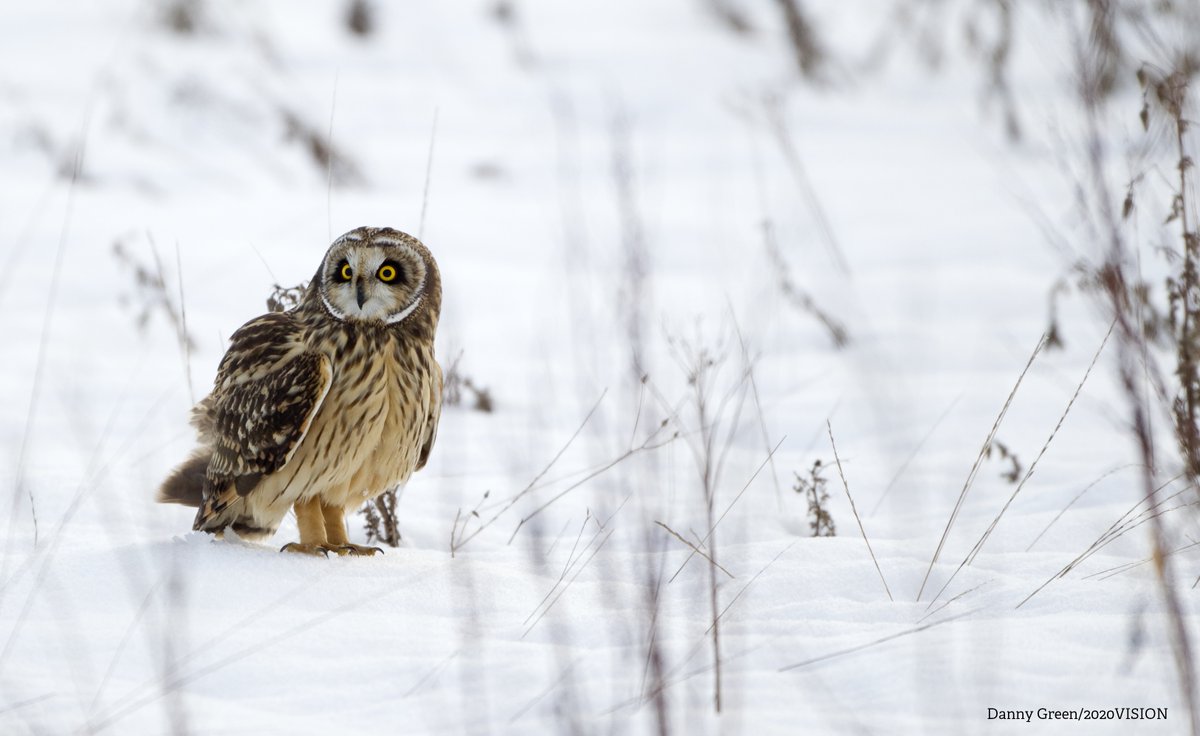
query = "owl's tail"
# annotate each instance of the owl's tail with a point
(186, 485)
(219, 510)
(228, 510)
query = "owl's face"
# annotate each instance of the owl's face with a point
(375, 275)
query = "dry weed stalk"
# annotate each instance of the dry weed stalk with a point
(633, 287)
(694, 548)
(20, 487)
(1170, 91)
(812, 487)
(983, 538)
(983, 452)
(798, 297)
(700, 366)
(854, 510)
(360, 18)
(1126, 523)
(151, 295)
(379, 519)
(773, 108)
(461, 532)
(456, 385)
(876, 642)
(807, 48)
(339, 168)
(1141, 380)
(718, 418)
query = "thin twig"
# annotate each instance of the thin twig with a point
(700, 645)
(983, 538)
(750, 582)
(1126, 567)
(854, 510)
(568, 584)
(949, 601)
(796, 165)
(648, 445)
(329, 160)
(26, 703)
(694, 548)
(125, 639)
(43, 343)
(762, 422)
(1053, 433)
(184, 343)
(912, 456)
(433, 672)
(428, 174)
(463, 540)
(567, 672)
(42, 557)
(182, 678)
(1117, 529)
(704, 540)
(881, 640)
(1071, 503)
(987, 444)
(571, 559)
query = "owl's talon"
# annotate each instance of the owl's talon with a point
(306, 549)
(358, 550)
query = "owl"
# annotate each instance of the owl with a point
(325, 406)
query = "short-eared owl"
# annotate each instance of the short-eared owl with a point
(324, 406)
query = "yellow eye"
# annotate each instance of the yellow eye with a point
(387, 274)
(346, 272)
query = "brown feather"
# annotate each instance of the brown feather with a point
(186, 484)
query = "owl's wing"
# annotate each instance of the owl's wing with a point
(435, 413)
(268, 389)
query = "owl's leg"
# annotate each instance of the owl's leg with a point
(312, 530)
(335, 533)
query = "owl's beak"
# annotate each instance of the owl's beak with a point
(360, 293)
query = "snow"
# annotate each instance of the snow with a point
(114, 617)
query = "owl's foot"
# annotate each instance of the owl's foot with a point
(323, 549)
(319, 548)
(357, 550)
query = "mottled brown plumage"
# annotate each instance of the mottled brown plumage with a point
(325, 406)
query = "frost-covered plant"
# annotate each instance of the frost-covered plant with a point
(812, 487)
(379, 519)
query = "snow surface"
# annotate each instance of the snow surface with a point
(115, 618)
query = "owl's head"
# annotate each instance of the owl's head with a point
(381, 275)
